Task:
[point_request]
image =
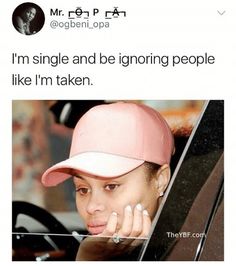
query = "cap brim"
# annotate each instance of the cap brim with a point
(96, 164)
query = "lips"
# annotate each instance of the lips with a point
(96, 227)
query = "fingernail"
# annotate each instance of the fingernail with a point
(128, 208)
(114, 213)
(145, 212)
(139, 207)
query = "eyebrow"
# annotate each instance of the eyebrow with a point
(78, 176)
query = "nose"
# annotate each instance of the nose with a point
(96, 203)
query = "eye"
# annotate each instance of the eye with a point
(83, 191)
(111, 187)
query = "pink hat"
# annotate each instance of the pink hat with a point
(111, 140)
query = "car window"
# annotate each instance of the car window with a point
(180, 225)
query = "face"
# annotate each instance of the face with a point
(30, 13)
(97, 198)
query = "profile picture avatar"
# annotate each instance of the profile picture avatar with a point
(28, 18)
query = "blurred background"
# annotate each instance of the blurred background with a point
(41, 137)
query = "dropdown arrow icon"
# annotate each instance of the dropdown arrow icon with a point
(221, 12)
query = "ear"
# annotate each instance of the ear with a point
(162, 179)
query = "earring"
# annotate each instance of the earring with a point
(161, 194)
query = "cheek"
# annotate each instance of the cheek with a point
(117, 206)
(131, 199)
(148, 199)
(151, 204)
(120, 204)
(81, 208)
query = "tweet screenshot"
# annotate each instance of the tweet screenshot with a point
(115, 118)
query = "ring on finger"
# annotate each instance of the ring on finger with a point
(116, 239)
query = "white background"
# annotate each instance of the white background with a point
(161, 27)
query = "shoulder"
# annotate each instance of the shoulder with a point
(18, 20)
(20, 24)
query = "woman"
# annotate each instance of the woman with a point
(119, 160)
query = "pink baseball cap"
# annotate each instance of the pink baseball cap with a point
(111, 140)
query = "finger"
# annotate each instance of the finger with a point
(111, 225)
(137, 227)
(147, 224)
(146, 230)
(127, 224)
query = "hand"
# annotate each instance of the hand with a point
(136, 224)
